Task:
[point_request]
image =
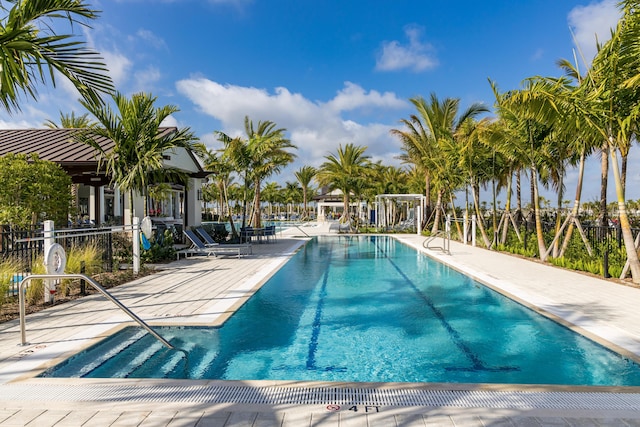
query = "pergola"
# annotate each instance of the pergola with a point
(413, 204)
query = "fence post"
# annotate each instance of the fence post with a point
(49, 240)
(473, 230)
(136, 245)
(83, 284)
(465, 225)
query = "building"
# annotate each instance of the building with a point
(97, 201)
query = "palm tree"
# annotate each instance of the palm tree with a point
(305, 175)
(476, 148)
(428, 135)
(527, 115)
(30, 51)
(136, 160)
(612, 109)
(271, 194)
(345, 172)
(71, 121)
(292, 196)
(262, 154)
(221, 171)
(565, 94)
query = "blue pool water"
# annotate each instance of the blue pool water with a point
(365, 308)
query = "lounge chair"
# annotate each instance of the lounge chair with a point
(208, 240)
(197, 241)
(198, 247)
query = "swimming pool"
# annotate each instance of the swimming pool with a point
(365, 308)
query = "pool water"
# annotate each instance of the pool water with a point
(365, 308)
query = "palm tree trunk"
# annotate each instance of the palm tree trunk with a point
(305, 214)
(507, 212)
(604, 175)
(257, 212)
(518, 198)
(479, 217)
(229, 211)
(436, 221)
(627, 234)
(542, 247)
(345, 214)
(576, 206)
(427, 183)
(556, 241)
(623, 172)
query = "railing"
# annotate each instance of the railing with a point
(103, 291)
(446, 241)
(446, 238)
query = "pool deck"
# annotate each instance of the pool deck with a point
(205, 290)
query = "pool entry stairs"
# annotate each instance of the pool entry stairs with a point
(145, 357)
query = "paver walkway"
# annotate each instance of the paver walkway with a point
(206, 290)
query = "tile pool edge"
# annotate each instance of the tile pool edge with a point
(276, 393)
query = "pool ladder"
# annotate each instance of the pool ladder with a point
(446, 241)
(96, 285)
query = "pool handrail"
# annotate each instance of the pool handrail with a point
(96, 285)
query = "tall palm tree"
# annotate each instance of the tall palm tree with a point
(292, 193)
(528, 115)
(345, 171)
(271, 194)
(305, 175)
(221, 171)
(426, 137)
(612, 109)
(263, 153)
(136, 160)
(31, 52)
(566, 94)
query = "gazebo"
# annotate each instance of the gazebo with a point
(409, 206)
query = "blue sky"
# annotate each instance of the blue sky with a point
(330, 72)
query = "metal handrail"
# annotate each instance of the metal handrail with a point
(446, 241)
(103, 291)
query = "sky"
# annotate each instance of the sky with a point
(330, 72)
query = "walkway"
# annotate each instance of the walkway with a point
(204, 291)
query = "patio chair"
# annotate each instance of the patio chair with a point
(247, 234)
(270, 232)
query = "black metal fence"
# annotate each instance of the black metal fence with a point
(23, 248)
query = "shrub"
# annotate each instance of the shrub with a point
(8, 268)
(89, 257)
(161, 249)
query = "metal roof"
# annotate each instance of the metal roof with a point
(59, 146)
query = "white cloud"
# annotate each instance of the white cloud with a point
(151, 38)
(316, 128)
(145, 79)
(593, 22)
(353, 97)
(416, 56)
(119, 66)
